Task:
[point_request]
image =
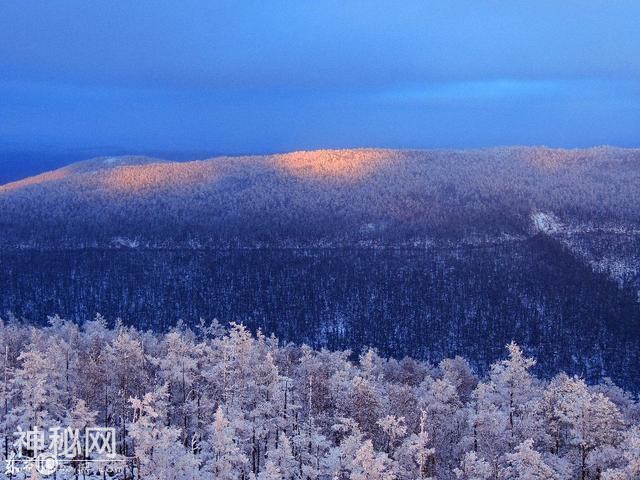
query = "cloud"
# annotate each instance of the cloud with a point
(265, 76)
(332, 44)
(512, 90)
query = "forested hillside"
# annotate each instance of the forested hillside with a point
(431, 254)
(344, 195)
(211, 402)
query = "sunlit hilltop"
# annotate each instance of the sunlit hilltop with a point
(153, 176)
(344, 164)
(36, 180)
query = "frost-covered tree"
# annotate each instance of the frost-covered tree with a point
(38, 386)
(415, 457)
(525, 463)
(458, 373)
(371, 465)
(224, 458)
(630, 450)
(473, 468)
(179, 368)
(514, 388)
(124, 362)
(158, 448)
(394, 429)
(445, 421)
(282, 458)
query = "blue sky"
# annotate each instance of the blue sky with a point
(264, 76)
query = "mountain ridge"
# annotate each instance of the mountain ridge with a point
(328, 195)
(105, 162)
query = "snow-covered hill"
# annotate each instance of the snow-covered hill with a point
(331, 195)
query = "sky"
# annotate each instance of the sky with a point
(234, 77)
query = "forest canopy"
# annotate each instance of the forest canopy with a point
(222, 403)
